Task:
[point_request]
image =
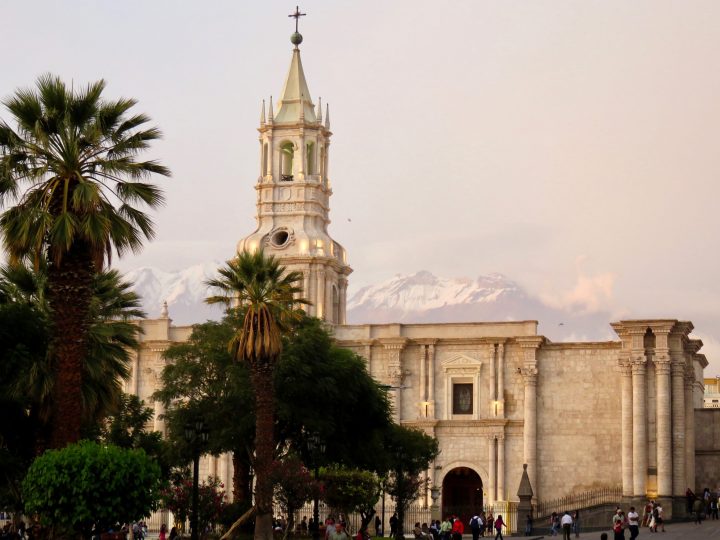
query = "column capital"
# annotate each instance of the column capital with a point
(662, 367)
(529, 375)
(638, 364)
(678, 369)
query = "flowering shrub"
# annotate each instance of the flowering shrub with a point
(294, 486)
(211, 500)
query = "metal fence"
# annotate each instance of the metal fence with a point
(578, 501)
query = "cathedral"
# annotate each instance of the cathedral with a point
(586, 416)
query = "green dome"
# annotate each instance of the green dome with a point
(296, 38)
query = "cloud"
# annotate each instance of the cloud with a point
(590, 294)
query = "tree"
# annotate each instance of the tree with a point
(71, 169)
(86, 483)
(267, 297)
(211, 500)
(294, 486)
(351, 490)
(408, 454)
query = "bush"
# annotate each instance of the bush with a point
(88, 483)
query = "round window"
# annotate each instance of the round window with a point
(280, 238)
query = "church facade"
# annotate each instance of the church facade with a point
(582, 416)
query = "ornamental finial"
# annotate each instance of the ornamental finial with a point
(296, 38)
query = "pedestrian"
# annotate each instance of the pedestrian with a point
(690, 499)
(457, 529)
(339, 532)
(647, 514)
(698, 511)
(475, 526)
(163, 532)
(378, 523)
(489, 523)
(393, 524)
(618, 525)
(659, 517)
(445, 529)
(576, 523)
(714, 508)
(566, 522)
(633, 519)
(554, 524)
(528, 525)
(499, 524)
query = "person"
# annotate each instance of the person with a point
(528, 525)
(339, 533)
(393, 524)
(690, 499)
(489, 523)
(618, 524)
(435, 529)
(659, 518)
(714, 508)
(446, 529)
(633, 519)
(499, 524)
(566, 521)
(378, 523)
(475, 526)
(303, 526)
(417, 531)
(603, 536)
(647, 514)
(362, 534)
(330, 527)
(554, 524)
(576, 523)
(457, 529)
(698, 511)
(163, 532)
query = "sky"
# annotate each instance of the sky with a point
(571, 146)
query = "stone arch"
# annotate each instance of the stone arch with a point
(287, 156)
(462, 491)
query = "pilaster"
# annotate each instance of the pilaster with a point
(640, 449)
(529, 372)
(664, 407)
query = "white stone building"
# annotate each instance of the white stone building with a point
(583, 416)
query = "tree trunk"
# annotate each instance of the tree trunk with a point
(69, 294)
(241, 477)
(261, 373)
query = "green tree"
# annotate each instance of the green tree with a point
(70, 168)
(211, 500)
(266, 296)
(294, 486)
(86, 483)
(350, 491)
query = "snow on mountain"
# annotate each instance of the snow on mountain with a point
(184, 291)
(415, 298)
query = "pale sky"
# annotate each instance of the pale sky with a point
(573, 146)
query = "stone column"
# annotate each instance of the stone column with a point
(431, 379)
(493, 383)
(689, 429)
(423, 381)
(501, 382)
(627, 426)
(343, 300)
(529, 372)
(309, 309)
(158, 422)
(394, 374)
(678, 420)
(320, 295)
(640, 449)
(136, 375)
(501, 468)
(492, 459)
(664, 440)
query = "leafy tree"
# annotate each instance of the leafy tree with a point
(294, 486)
(265, 294)
(351, 490)
(408, 454)
(211, 500)
(70, 167)
(86, 483)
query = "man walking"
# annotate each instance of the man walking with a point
(566, 523)
(633, 523)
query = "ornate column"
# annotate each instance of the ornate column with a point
(627, 425)
(689, 428)
(529, 373)
(640, 449)
(663, 405)
(501, 383)
(493, 382)
(678, 421)
(320, 294)
(431, 378)
(501, 467)
(422, 360)
(158, 422)
(394, 373)
(343, 300)
(492, 461)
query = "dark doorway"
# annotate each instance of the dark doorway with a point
(462, 494)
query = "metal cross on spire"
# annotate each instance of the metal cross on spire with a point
(297, 16)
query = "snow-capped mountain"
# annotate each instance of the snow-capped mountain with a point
(415, 298)
(184, 291)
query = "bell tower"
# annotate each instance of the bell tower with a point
(293, 194)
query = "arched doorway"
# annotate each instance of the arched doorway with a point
(462, 493)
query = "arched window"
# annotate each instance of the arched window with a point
(287, 153)
(310, 157)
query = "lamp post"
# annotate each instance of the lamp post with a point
(196, 434)
(316, 448)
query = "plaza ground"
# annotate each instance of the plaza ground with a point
(674, 531)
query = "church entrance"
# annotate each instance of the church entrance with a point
(462, 494)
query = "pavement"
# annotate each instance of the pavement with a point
(674, 531)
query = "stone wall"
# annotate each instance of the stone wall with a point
(707, 448)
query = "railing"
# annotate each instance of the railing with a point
(579, 501)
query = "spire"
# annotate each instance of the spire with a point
(319, 111)
(164, 311)
(295, 95)
(262, 114)
(327, 116)
(270, 114)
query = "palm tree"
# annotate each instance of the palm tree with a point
(267, 299)
(72, 172)
(112, 334)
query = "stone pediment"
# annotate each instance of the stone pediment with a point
(461, 362)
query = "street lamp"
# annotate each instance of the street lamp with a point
(316, 448)
(196, 434)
